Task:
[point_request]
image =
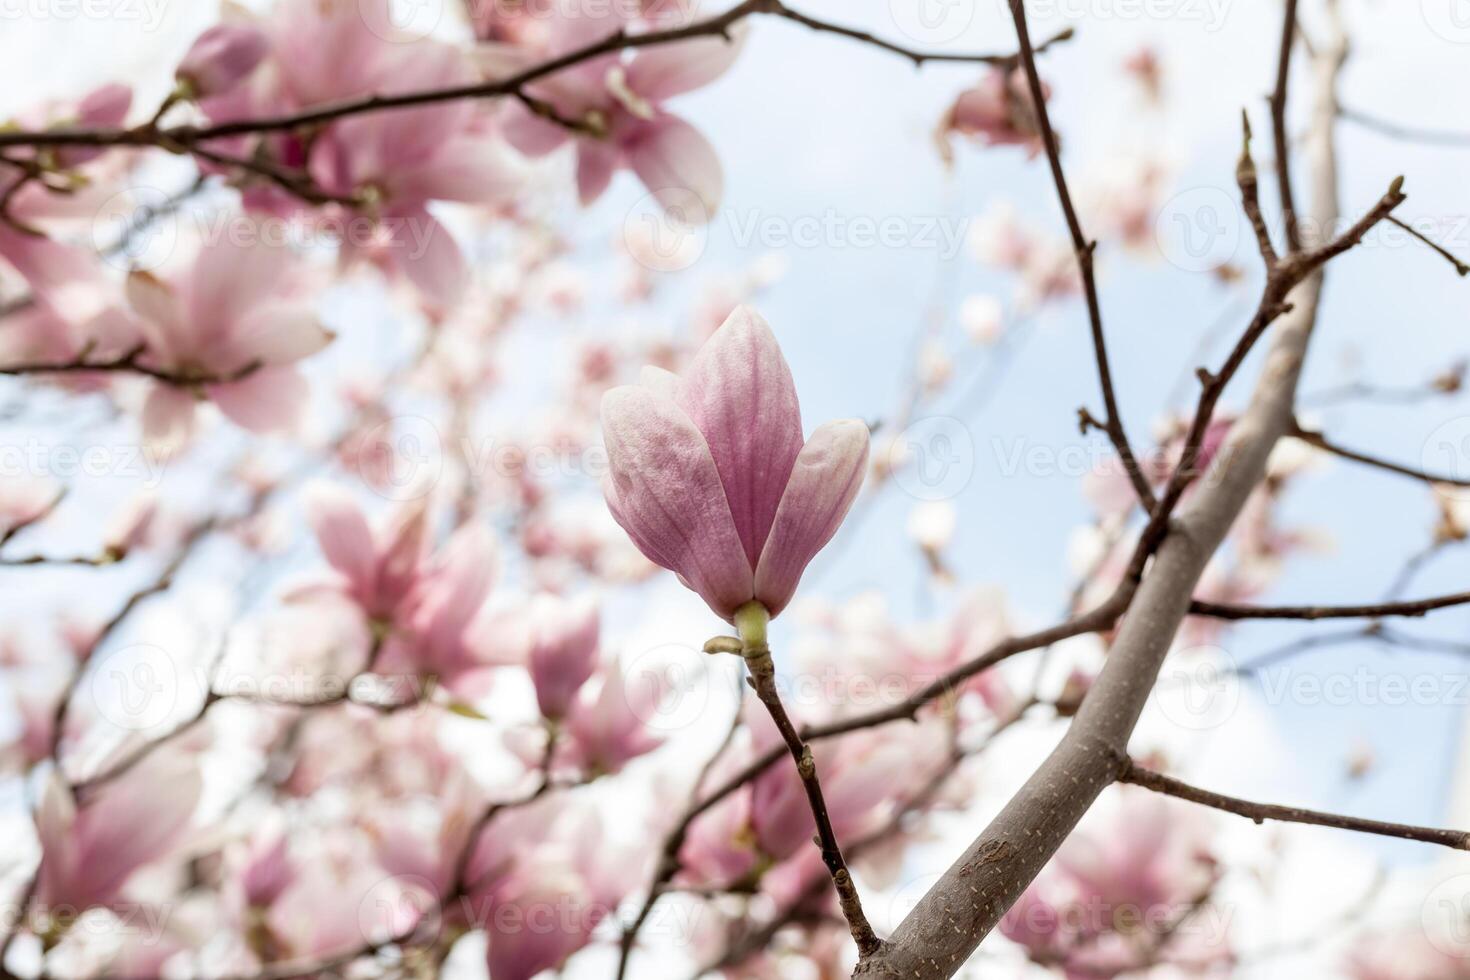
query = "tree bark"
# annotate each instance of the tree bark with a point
(969, 900)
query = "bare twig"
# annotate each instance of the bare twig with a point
(1460, 267)
(763, 680)
(1321, 442)
(1083, 250)
(1420, 607)
(1261, 812)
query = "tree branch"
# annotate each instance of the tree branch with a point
(949, 922)
(1417, 608)
(1083, 250)
(1260, 812)
(1320, 441)
(188, 137)
(763, 680)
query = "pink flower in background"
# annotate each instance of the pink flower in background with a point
(389, 165)
(236, 322)
(610, 726)
(378, 567)
(544, 878)
(563, 650)
(432, 625)
(997, 111)
(221, 58)
(1116, 897)
(91, 847)
(1405, 954)
(397, 162)
(621, 102)
(709, 475)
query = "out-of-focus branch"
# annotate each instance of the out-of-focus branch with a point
(1411, 134)
(1460, 267)
(129, 363)
(1261, 812)
(187, 138)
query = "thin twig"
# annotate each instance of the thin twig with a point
(1321, 442)
(763, 679)
(1460, 267)
(1260, 812)
(1083, 250)
(1417, 608)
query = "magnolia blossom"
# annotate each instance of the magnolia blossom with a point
(997, 110)
(423, 608)
(235, 324)
(92, 847)
(709, 475)
(1116, 897)
(620, 104)
(563, 650)
(221, 58)
(388, 166)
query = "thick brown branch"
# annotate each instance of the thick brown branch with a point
(1261, 812)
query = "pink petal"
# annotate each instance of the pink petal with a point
(267, 400)
(277, 334)
(168, 417)
(470, 167)
(564, 650)
(160, 315)
(229, 278)
(135, 820)
(530, 134)
(425, 251)
(667, 70)
(343, 533)
(679, 166)
(824, 482)
(596, 162)
(739, 393)
(666, 492)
